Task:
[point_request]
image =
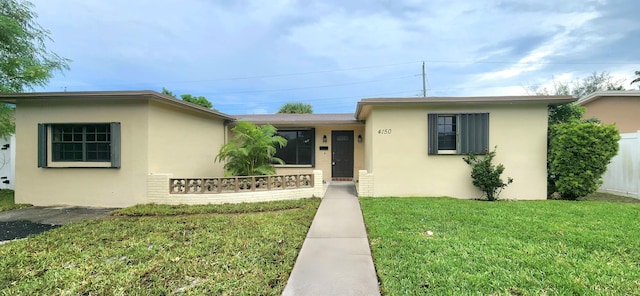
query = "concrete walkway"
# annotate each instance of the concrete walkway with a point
(335, 258)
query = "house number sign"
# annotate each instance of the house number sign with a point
(384, 131)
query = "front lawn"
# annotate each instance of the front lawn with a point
(504, 248)
(150, 253)
(7, 201)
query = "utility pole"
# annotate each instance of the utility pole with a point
(424, 82)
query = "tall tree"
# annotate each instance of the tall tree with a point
(296, 108)
(25, 62)
(251, 150)
(199, 100)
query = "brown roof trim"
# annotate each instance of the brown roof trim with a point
(12, 98)
(610, 93)
(299, 120)
(550, 100)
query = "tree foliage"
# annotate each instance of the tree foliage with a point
(296, 108)
(199, 100)
(485, 175)
(568, 181)
(637, 79)
(25, 62)
(251, 150)
(580, 87)
(579, 155)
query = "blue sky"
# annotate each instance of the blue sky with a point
(250, 57)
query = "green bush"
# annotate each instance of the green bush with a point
(252, 150)
(578, 156)
(485, 175)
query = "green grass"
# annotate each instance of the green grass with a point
(600, 196)
(202, 254)
(504, 248)
(172, 210)
(7, 201)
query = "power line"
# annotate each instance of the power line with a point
(434, 61)
(312, 87)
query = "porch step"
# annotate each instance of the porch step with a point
(341, 179)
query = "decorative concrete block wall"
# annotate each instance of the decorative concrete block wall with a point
(365, 184)
(158, 192)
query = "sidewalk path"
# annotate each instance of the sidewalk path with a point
(335, 258)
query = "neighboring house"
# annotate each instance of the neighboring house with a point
(619, 107)
(7, 165)
(622, 108)
(103, 148)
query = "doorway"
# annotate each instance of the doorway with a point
(342, 154)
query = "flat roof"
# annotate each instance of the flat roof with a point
(14, 98)
(300, 119)
(609, 93)
(550, 100)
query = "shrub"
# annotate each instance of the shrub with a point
(251, 150)
(578, 156)
(485, 175)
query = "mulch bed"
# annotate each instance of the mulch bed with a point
(21, 229)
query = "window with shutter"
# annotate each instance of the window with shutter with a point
(79, 145)
(462, 133)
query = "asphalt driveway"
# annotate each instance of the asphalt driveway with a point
(23, 222)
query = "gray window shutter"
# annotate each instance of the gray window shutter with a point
(432, 131)
(115, 145)
(474, 133)
(42, 145)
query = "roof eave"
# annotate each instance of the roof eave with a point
(549, 100)
(610, 93)
(15, 97)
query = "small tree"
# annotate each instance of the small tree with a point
(251, 150)
(296, 108)
(579, 155)
(485, 175)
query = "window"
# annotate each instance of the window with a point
(446, 132)
(300, 147)
(79, 145)
(458, 133)
(72, 142)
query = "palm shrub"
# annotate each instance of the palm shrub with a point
(579, 154)
(485, 175)
(251, 150)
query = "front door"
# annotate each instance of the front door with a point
(342, 154)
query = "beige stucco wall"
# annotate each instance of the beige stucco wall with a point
(183, 142)
(105, 187)
(623, 111)
(323, 157)
(401, 166)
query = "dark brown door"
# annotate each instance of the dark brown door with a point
(342, 154)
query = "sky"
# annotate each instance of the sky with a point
(250, 57)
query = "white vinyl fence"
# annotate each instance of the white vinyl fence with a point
(623, 173)
(7, 165)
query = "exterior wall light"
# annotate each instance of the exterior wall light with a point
(324, 138)
(359, 138)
